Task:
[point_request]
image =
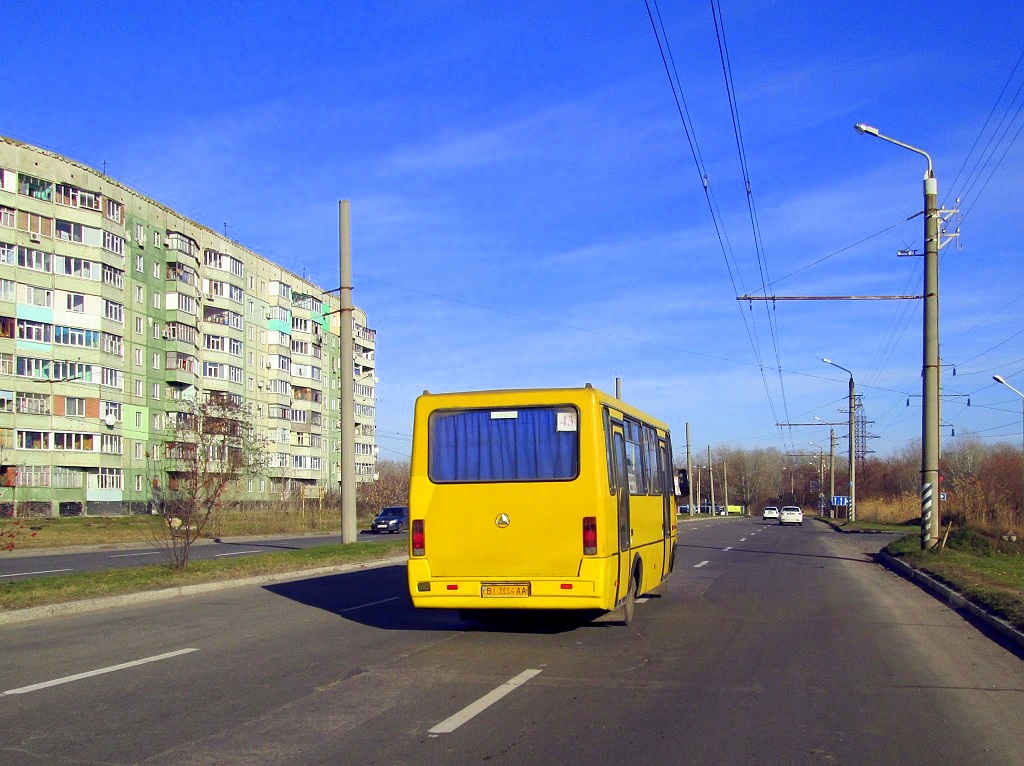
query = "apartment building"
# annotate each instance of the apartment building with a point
(114, 308)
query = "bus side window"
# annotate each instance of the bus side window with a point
(613, 485)
(652, 462)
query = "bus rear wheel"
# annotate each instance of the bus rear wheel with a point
(629, 605)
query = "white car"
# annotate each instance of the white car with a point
(770, 512)
(790, 514)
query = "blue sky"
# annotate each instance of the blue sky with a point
(526, 209)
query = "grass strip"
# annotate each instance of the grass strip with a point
(994, 581)
(59, 589)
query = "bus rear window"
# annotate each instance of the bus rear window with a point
(525, 444)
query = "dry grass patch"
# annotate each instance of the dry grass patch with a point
(972, 565)
(58, 589)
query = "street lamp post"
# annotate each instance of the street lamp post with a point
(821, 478)
(930, 517)
(1001, 379)
(851, 512)
(349, 524)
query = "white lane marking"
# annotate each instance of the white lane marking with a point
(743, 539)
(129, 555)
(236, 553)
(452, 723)
(43, 571)
(727, 549)
(372, 603)
(101, 671)
(698, 566)
(642, 600)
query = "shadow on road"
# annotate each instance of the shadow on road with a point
(219, 541)
(379, 598)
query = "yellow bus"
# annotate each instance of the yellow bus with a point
(539, 499)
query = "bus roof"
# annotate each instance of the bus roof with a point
(529, 396)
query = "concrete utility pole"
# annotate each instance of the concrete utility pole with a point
(930, 510)
(689, 469)
(725, 483)
(851, 512)
(711, 481)
(831, 471)
(346, 379)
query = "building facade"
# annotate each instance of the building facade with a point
(114, 308)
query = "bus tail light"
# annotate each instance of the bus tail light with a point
(419, 538)
(590, 535)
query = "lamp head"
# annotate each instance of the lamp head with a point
(999, 379)
(826, 361)
(860, 127)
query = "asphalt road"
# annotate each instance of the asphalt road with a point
(27, 565)
(772, 646)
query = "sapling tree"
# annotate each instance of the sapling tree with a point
(211, 450)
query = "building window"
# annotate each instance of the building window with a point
(110, 443)
(74, 406)
(114, 210)
(140, 294)
(111, 409)
(78, 267)
(110, 478)
(70, 196)
(34, 331)
(33, 404)
(76, 336)
(73, 442)
(38, 296)
(140, 263)
(68, 230)
(35, 224)
(35, 187)
(113, 277)
(113, 243)
(111, 344)
(36, 260)
(113, 311)
(76, 303)
(33, 440)
(111, 377)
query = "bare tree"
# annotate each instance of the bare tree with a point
(391, 487)
(212, 450)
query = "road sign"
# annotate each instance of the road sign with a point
(840, 500)
(942, 496)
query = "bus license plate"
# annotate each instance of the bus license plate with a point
(505, 590)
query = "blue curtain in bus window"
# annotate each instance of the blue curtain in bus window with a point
(475, 446)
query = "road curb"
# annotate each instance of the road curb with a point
(843, 530)
(18, 616)
(955, 599)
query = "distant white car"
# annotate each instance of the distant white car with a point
(791, 514)
(770, 512)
